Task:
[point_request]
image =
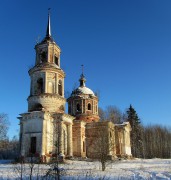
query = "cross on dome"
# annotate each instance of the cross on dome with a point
(82, 78)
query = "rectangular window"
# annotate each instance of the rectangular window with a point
(83, 146)
(33, 145)
(56, 61)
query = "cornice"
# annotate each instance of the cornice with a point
(46, 67)
(46, 95)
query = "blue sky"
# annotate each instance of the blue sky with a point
(125, 46)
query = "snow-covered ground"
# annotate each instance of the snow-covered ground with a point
(76, 170)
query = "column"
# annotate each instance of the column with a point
(82, 108)
(60, 133)
(124, 143)
(45, 84)
(85, 107)
(69, 143)
(42, 151)
(56, 84)
(63, 87)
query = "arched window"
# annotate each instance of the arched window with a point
(40, 86)
(50, 87)
(89, 106)
(78, 107)
(37, 107)
(60, 87)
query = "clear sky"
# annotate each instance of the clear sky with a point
(125, 46)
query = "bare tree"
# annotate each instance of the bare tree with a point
(111, 113)
(19, 168)
(67, 94)
(4, 125)
(101, 114)
(101, 143)
(97, 93)
(4, 142)
(55, 171)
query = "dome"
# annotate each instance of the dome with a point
(83, 90)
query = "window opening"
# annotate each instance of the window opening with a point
(33, 145)
(78, 107)
(37, 107)
(40, 86)
(60, 87)
(56, 61)
(83, 146)
(89, 106)
(44, 56)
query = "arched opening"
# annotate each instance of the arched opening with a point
(60, 87)
(78, 107)
(89, 106)
(40, 86)
(50, 87)
(37, 107)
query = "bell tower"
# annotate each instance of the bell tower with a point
(46, 119)
(47, 78)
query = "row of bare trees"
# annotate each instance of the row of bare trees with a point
(150, 141)
(9, 149)
(156, 141)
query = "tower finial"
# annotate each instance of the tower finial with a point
(48, 31)
(82, 78)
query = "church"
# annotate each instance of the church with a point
(46, 130)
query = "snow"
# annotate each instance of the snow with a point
(124, 169)
(83, 90)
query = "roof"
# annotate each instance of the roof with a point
(82, 90)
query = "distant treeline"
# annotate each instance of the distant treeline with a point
(156, 141)
(151, 141)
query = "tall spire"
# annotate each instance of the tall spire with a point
(82, 77)
(48, 31)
